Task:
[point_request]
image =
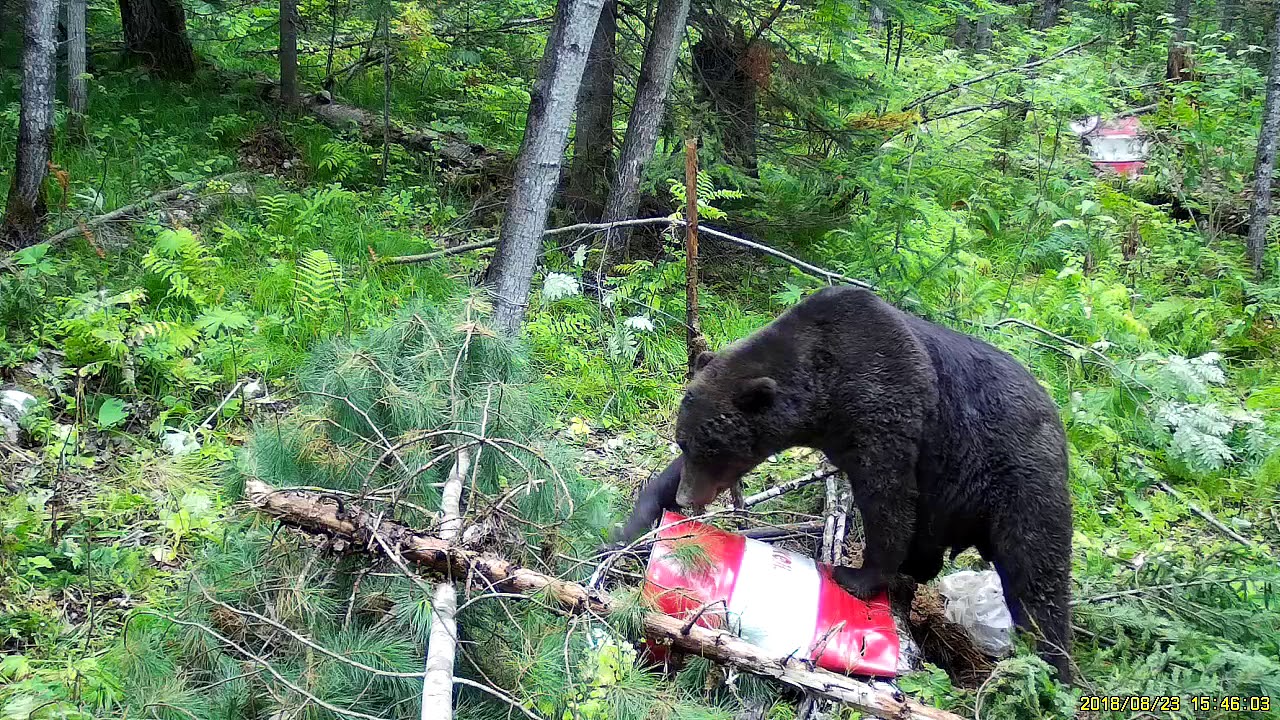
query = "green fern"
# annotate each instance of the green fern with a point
(318, 282)
(707, 193)
(183, 262)
(340, 160)
(277, 210)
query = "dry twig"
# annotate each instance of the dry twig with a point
(309, 513)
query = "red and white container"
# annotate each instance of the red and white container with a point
(1118, 145)
(780, 601)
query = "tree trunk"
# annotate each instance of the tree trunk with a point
(1179, 63)
(720, 70)
(442, 641)
(77, 87)
(25, 211)
(588, 186)
(962, 36)
(289, 52)
(876, 17)
(647, 112)
(1260, 208)
(1048, 15)
(541, 154)
(982, 35)
(155, 33)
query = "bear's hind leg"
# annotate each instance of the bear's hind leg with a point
(1037, 588)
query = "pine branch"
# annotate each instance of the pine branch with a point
(308, 512)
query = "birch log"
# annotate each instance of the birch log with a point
(442, 643)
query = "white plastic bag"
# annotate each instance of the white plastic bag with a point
(976, 603)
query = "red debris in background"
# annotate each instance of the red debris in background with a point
(778, 600)
(1118, 145)
(1114, 146)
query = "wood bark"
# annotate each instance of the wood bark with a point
(1048, 14)
(1178, 64)
(876, 17)
(982, 35)
(155, 33)
(541, 155)
(720, 71)
(315, 513)
(592, 168)
(695, 342)
(962, 36)
(656, 70)
(289, 52)
(442, 642)
(1265, 162)
(77, 86)
(25, 210)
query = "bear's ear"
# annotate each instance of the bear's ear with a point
(756, 394)
(704, 357)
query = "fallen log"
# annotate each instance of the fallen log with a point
(159, 198)
(456, 155)
(322, 514)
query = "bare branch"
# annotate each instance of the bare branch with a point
(306, 512)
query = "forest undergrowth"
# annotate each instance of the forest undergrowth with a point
(256, 326)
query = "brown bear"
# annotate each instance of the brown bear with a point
(949, 443)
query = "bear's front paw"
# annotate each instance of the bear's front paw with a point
(860, 582)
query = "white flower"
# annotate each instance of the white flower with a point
(639, 322)
(558, 286)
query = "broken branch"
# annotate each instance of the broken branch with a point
(308, 512)
(129, 210)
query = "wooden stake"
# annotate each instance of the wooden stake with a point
(696, 343)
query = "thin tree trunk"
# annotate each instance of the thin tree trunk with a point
(1260, 208)
(982, 36)
(25, 211)
(592, 168)
(962, 36)
(694, 341)
(719, 64)
(541, 155)
(656, 70)
(77, 87)
(155, 32)
(386, 97)
(289, 52)
(1049, 12)
(1179, 62)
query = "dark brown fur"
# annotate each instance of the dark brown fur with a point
(949, 443)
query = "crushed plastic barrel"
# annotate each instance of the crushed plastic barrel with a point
(785, 603)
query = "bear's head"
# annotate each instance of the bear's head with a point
(728, 424)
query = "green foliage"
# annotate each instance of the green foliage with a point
(1134, 308)
(182, 262)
